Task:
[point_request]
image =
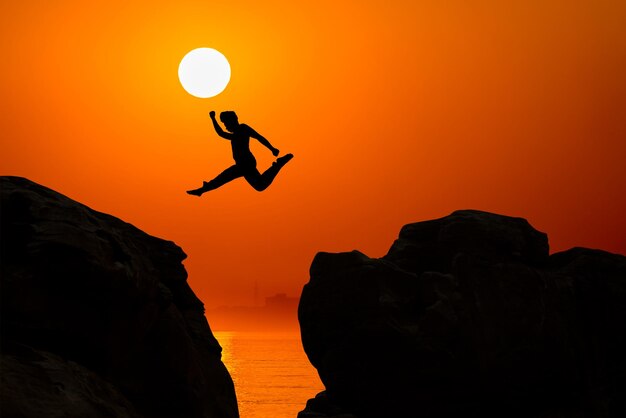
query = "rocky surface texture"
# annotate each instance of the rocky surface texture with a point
(98, 319)
(467, 316)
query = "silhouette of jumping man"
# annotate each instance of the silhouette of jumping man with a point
(239, 135)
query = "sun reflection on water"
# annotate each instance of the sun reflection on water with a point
(271, 373)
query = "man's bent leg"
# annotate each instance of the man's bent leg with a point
(260, 181)
(255, 179)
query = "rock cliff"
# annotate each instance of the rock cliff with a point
(97, 317)
(467, 316)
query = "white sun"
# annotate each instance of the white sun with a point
(204, 72)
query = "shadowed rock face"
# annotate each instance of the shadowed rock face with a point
(467, 316)
(97, 317)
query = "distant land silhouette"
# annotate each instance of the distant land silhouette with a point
(239, 135)
(280, 313)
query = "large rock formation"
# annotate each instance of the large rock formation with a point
(467, 316)
(98, 319)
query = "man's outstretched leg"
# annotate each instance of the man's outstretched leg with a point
(261, 182)
(230, 174)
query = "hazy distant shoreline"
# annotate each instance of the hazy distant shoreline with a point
(280, 313)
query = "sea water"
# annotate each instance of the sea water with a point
(272, 375)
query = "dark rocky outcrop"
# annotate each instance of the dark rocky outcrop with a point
(467, 316)
(98, 319)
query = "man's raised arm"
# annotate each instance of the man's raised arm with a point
(218, 128)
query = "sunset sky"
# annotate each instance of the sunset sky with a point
(396, 112)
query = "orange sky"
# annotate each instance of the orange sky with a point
(396, 111)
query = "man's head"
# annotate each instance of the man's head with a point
(229, 119)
